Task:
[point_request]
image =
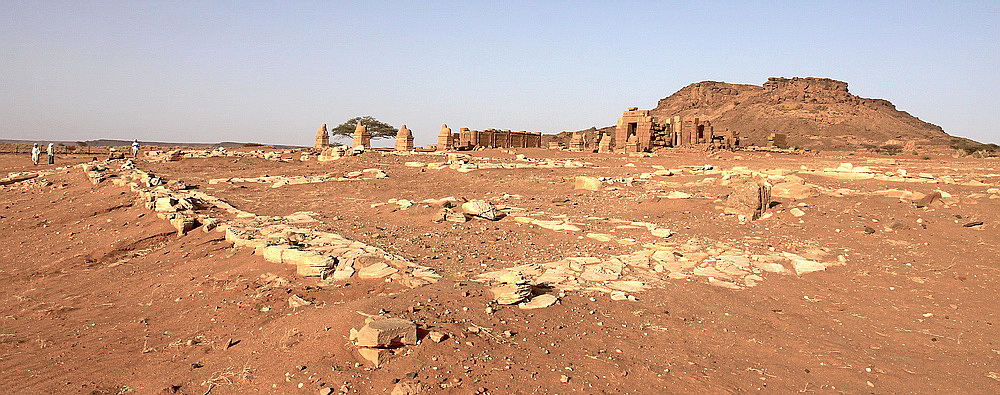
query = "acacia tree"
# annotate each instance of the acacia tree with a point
(378, 129)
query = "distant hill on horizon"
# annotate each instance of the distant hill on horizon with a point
(812, 112)
(818, 113)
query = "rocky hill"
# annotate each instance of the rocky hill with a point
(813, 112)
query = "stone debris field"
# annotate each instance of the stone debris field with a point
(510, 270)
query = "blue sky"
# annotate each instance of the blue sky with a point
(272, 72)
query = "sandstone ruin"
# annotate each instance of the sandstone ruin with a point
(362, 138)
(322, 138)
(404, 139)
(650, 132)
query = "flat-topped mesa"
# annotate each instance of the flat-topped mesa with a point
(322, 138)
(361, 136)
(811, 112)
(444, 138)
(404, 139)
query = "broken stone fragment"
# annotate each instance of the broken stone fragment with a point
(385, 332)
(511, 293)
(749, 200)
(295, 301)
(793, 190)
(481, 209)
(376, 270)
(447, 214)
(183, 224)
(538, 302)
(587, 183)
(678, 195)
(375, 356)
(436, 336)
(803, 265)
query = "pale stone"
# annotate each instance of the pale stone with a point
(386, 332)
(511, 293)
(376, 356)
(436, 336)
(295, 301)
(600, 236)
(661, 232)
(481, 209)
(587, 183)
(376, 270)
(796, 212)
(678, 195)
(793, 190)
(538, 302)
(803, 265)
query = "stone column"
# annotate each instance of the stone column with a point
(361, 136)
(322, 138)
(404, 139)
(444, 138)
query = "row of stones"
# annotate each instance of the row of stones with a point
(174, 155)
(313, 253)
(280, 181)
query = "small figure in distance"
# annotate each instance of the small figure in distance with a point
(135, 148)
(52, 154)
(35, 153)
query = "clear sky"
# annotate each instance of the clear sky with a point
(273, 72)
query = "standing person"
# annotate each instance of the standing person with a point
(135, 148)
(52, 154)
(35, 153)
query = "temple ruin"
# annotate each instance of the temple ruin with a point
(638, 131)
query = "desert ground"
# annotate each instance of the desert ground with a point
(864, 274)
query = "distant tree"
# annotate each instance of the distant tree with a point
(378, 129)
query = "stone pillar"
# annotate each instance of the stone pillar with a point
(444, 138)
(404, 139)
(322, 138)
(605, 145)
(361, 136)
(576, 142)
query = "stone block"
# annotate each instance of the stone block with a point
(385, 332)
(587, 183)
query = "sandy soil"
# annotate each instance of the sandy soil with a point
(102, 296)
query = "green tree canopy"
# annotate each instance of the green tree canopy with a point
(378, 129)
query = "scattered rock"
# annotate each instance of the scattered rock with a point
(296, 301)
(385, 332)
(931, 199)
(793, 190)
(482, 209)
(587, 183)
(749, 200)
(796, 212)
(450, 215)
(538, 302)
(407, 387)
(436, 336)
